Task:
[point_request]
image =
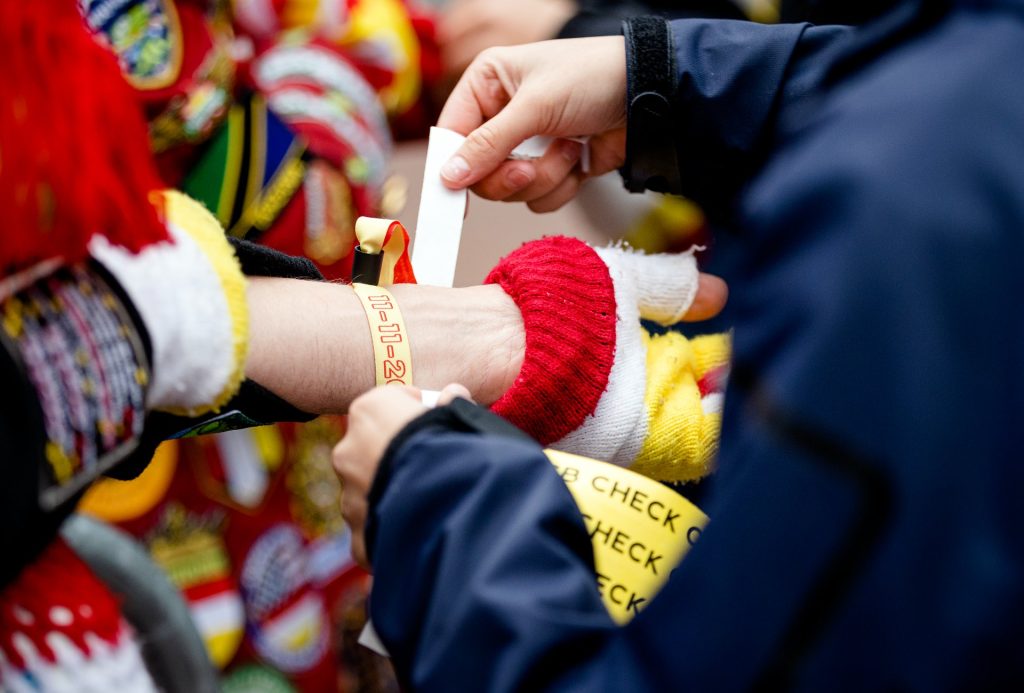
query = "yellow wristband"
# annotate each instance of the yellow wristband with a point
(391, 352)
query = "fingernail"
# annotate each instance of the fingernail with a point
(455, 170)
(519, 177)
(571, 150)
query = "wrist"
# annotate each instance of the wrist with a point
(310, 341)
(473, 336)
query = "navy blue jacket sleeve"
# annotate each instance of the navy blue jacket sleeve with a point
(866, 527)
(484, 569)
(730, 79)
(484, 575)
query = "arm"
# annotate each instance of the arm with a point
(477, 587)
(713, 96)
(310, 342)
(845, 441)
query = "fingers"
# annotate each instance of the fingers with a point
(607, 151)
(555, 199)
(558, 162)
(534, 180)
(712, 295)
(358, 548)
(452, 391)
(508, 179)
(353, 511)
(478, 95)
(354, 488)
(374, 419)
(489, 145)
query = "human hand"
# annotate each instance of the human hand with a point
(561, 88)
(592, 382)
(467, 27)
(373, 420)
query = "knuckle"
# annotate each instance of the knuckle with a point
(490, 188)
(338, 460)
(484, 139)
(489, 56)
(350, 509)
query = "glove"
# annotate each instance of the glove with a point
(593, 381)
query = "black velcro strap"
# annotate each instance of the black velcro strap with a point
(651, 160)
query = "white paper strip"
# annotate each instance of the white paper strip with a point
(369, 639)
(537, 146)
(435, 249)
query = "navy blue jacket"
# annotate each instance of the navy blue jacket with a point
(867, 525)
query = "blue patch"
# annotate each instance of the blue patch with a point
(145, 35)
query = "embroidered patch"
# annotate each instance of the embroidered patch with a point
(315, 492)
(194, 115)
(253, 678)
(81, 350)
(330, 218)
(250, 171)
(287, 620)
(190, 549)
(145, 35)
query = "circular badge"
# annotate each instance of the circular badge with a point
(144, 34)
(287, 619)
(254, 678)
(119, 501)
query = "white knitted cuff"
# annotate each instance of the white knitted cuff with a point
(178, 293)
(656, 287)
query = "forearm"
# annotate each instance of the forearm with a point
(310, 341)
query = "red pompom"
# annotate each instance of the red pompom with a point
(74, 149)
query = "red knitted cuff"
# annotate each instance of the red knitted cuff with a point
(566, 297)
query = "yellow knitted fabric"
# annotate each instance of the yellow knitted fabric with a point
(681, 439)
(197, 221)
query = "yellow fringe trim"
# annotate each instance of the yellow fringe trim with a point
(197, 221)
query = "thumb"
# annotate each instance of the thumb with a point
(488, 146)
(665, 284)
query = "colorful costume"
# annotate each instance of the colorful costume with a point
(276, 117)
(112, 307)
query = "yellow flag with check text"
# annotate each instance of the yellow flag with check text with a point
(640, 529)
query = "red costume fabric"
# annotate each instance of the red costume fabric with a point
(286, 139)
